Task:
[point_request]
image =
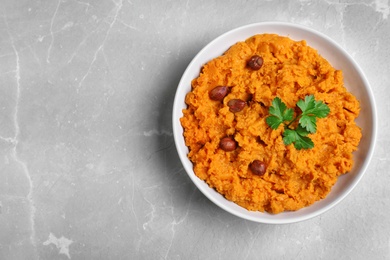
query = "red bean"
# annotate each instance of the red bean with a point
(255, 62)
(228, 144)
(218, 93)
(258, 167)
(236, 105)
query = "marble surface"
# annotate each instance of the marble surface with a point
(88, 166)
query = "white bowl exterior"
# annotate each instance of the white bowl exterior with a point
(354, 80)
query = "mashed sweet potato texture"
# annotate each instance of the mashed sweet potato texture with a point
(293, 178)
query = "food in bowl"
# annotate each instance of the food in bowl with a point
(231, 144)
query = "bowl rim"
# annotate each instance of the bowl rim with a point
(254, 216)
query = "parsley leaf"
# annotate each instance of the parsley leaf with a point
(298, 137)
(309, 123)
(279, 113)
(311, 109)
(307, 120)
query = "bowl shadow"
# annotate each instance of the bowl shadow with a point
(182, 190)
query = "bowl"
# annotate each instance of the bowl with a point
(355, 82)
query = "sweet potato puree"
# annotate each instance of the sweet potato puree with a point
(293, 178)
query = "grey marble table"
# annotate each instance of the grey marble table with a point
(88, 166)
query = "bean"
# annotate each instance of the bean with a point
(258, 167)
(228, 144)
(218, 93)
(255, 62)
(236, 105)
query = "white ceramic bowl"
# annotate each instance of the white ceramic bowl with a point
(354, 80)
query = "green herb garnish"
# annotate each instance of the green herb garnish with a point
(311, 110)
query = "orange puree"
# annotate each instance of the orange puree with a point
(293, 178)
